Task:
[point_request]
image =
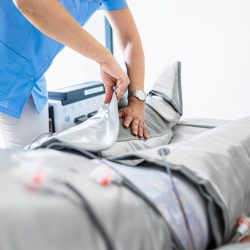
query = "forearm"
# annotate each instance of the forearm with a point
(134, 58)
(51, 18)
(130, 43)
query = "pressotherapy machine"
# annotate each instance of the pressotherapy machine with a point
(73, 105)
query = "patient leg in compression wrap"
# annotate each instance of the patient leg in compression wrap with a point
(163, 110)
(46, 198)
(156, 185)
(218, 163)
(53, 173)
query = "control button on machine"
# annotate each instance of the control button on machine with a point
(92, 114)
(80, 119)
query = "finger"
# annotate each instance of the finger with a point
(121, 113)
(121, 87)
(127, 121)
(135, 127)
(108, 95)
(145, 133)
(141, 129)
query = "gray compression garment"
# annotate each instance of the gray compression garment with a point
(157, 186)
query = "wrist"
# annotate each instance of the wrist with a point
(105, 57)
(138, 94)
(135, 100)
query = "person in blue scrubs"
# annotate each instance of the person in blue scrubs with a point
(33, 32)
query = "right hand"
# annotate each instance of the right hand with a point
(113, 76)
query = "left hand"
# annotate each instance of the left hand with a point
(113, 76)
(133, 117)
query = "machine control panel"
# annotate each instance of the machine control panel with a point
(75, 104)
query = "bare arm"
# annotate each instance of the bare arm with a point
(130, 42)
(50, 17)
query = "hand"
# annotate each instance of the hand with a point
(113, 76)
(133, 117)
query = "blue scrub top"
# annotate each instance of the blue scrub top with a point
(26, 53)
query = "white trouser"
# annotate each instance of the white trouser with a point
(17, 133)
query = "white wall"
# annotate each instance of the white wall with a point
(212, 39)
(70, 67)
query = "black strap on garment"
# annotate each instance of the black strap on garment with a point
(163, 152)
(86, 206)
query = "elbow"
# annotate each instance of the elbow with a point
(132, 44)
(131, 41)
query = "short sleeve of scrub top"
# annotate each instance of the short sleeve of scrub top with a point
(114, 4)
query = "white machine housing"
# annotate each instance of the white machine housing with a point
(72, 105)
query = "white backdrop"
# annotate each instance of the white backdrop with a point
(212, 39)
(70, 67)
